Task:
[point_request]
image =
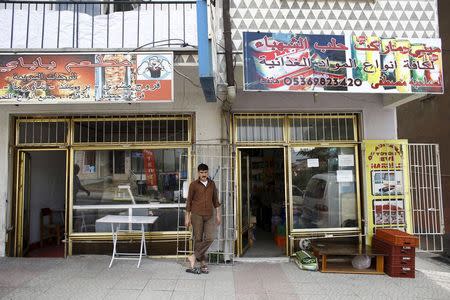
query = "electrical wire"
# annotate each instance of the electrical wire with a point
(187, 78)
(221, 47)
(183, 44)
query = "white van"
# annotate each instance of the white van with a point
(327, 203)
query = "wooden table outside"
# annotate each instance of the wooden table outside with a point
(326, 249)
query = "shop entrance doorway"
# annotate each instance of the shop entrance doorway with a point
(41, 205)
(262, 202)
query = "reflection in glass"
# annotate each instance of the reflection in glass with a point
(115, 177)
(323, 187)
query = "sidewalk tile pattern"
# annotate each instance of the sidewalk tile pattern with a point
(88, 277)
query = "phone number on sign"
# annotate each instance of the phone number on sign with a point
(322, 81)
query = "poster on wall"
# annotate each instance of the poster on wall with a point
(341, 63)
(150, 169)
(387, 182)
(109, 77)
(387, 197)
(387, 212)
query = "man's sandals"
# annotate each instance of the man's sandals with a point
(204, 269)
(196, 270)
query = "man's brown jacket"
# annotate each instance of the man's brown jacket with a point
(201, 200)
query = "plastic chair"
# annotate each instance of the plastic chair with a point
(48, 228)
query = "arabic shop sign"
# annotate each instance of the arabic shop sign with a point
(112, 77)
(338, 63)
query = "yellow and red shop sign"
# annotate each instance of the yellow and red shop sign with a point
(90, 77)
(388, 200)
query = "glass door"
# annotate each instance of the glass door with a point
(41, 189)
(244, 201)
(23, 220)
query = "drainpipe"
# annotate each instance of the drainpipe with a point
(231, 89)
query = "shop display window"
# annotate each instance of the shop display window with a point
(324, 187)
(107, 178)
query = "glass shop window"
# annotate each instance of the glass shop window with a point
(324, 187)
(116, 177)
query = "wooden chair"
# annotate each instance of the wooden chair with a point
(48, 228)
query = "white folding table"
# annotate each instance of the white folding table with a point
(115, 219)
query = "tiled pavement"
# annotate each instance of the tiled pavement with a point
(88, 277)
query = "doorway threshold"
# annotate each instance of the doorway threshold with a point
(283, 259)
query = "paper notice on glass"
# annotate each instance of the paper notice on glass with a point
(346, 160)
(344, 176)
(313, 163)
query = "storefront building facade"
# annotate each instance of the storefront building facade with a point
(83, 159)
(272, 40)
(296, 147)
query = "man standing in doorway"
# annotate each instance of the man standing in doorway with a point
(201, 204)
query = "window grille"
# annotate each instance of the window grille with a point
(42, 132)
(294, 128)
(131, 130)
(426, 196)
(98, 130)
(322, 128)
(259, 129)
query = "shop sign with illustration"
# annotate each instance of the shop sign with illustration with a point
(61, 78)
(388, 199)
(341, 63)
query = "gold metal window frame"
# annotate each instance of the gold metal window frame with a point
(286, 123)
(71, 120)
(315, 231)
(79, 236)
(276, 118)
(184, 117)
(70, 147)
(33, 120)
(288, 144)
(19, 197)
(353, 119)
(291, 233)
(238, 206)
